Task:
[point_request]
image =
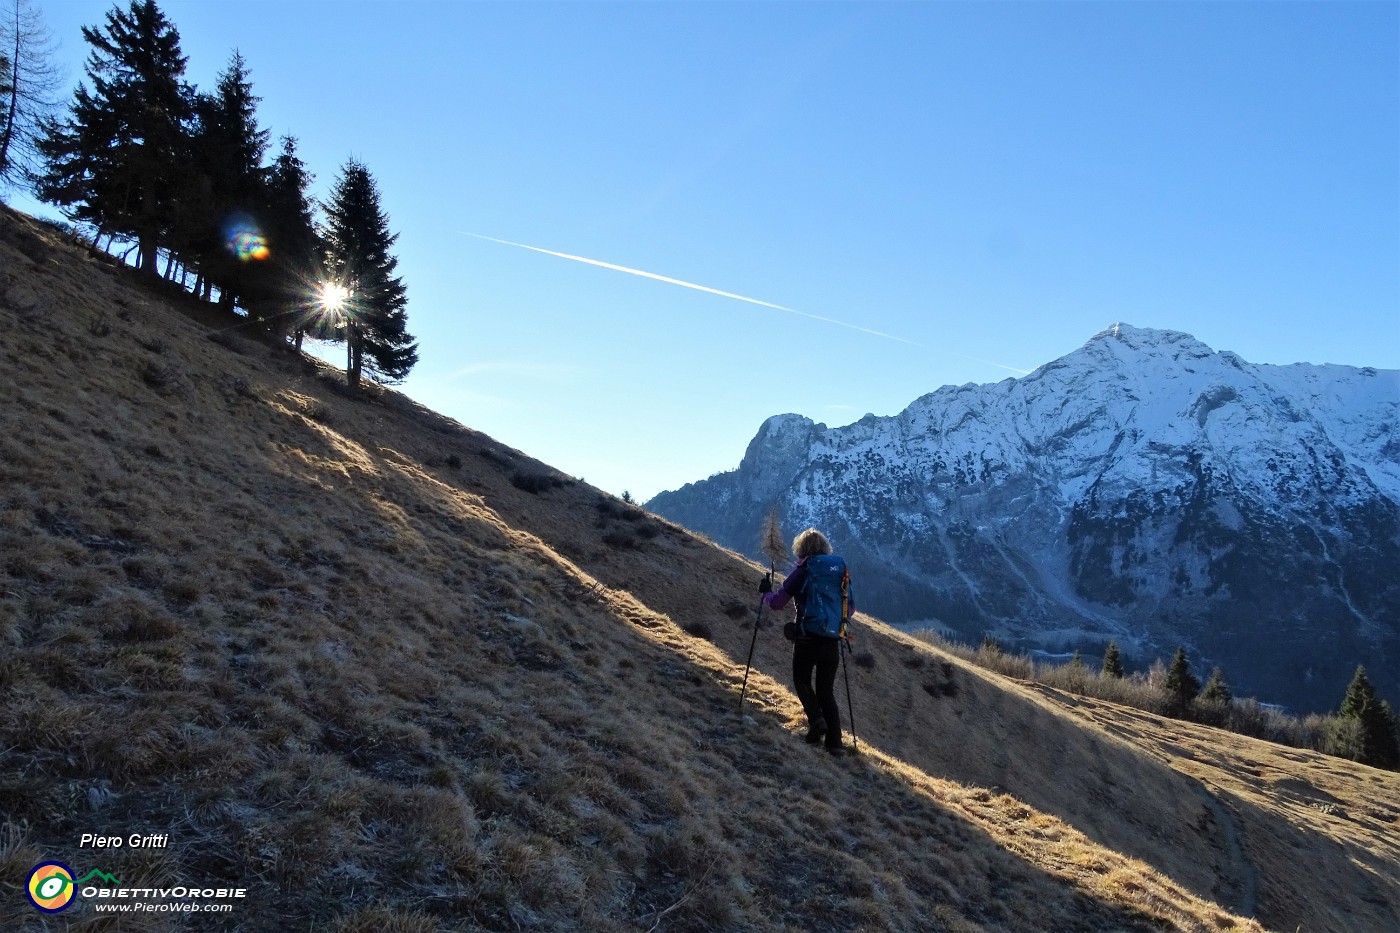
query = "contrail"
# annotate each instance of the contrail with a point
(723, 294)
(699, 288)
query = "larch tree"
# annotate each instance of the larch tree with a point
(29, 83)
(774, 547)
(6, 89)
(360, 261)
(111, 162)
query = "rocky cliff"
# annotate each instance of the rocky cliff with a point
(1144, 488)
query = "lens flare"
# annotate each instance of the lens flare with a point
(246, 241)
(249, 247)
(332, 297)
(330, 308)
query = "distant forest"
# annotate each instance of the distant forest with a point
(177, 182)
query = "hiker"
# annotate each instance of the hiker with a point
(821, 586)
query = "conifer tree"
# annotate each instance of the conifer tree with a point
(1213, 707)
(7, 87)
(1216, 689)
(1180, 686)
(112, 161)
(28, 84)
(1373, 724)
(358, 245)
(291, 209)
(1076, 674)
(1112, 661)
(773, 546)
(224, 229)
(296, 250)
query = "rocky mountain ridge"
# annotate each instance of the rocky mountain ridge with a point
(1143, 488)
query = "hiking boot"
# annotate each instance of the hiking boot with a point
(836, 751)
(816, 734)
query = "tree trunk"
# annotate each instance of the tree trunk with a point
(146, 257)
(354, 357)
(12, 105)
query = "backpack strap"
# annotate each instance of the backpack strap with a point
(845, 600)
(803, 586)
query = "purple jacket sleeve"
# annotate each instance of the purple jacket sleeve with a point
(780, 597)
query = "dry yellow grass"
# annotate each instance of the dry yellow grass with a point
(391, 675)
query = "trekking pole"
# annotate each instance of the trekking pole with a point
(754, 641)
(850, 710)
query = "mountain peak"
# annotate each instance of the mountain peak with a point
(778, 451)
(1148, 339)
(1142, 487)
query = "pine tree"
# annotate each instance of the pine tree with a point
(1112, 661)
(229, 187)
(1076, 674)
(1180, 687)
(1216, 689)
(29, 82)
(1373, 723)
(296, 249)
(1213, 707)
(112, 160)
(1360, 695)
(359, 259)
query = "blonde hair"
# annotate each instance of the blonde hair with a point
(810, 543)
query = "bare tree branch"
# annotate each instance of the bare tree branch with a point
(28, 88)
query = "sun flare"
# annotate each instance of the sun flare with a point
(332, 297)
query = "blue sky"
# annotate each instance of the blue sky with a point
(992, 183)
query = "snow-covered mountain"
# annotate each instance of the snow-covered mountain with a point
(1143, 488)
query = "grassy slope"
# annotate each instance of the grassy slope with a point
(328, 645)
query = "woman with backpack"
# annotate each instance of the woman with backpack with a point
(821, 586)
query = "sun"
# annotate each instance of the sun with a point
(332, 297)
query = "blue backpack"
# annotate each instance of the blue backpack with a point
(824, 599)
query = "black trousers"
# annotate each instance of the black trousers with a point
(822, 657)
